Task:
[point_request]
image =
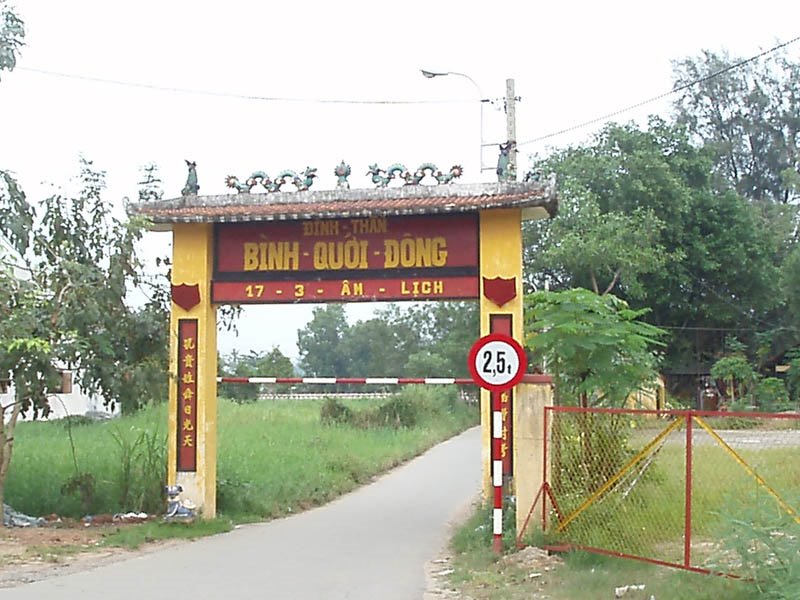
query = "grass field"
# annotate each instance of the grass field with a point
(741, 523)
(275, 457)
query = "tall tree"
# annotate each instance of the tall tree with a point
(748, 113)
(63, 304)
(320, 343)
(720, 253)
(12, 37)
(434, 338)
(602, 250)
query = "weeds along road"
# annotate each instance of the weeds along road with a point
(371, 544)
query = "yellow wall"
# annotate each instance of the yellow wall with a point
(500, 256)
(192, 263)
(651, 398)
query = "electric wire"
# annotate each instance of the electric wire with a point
(673, 91)
(290, 99)
(197, 92)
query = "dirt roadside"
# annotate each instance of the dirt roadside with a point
(29, 554)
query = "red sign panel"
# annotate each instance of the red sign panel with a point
(187, 395)
(373, 258)
(344, 290)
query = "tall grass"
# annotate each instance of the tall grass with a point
(43, 465)
(274, 457)
(277, 458)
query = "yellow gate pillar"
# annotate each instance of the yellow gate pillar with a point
(192, 431)
(500, 261)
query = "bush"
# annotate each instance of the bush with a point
(333, 412)
(400, 411)
(142, 470)
(762, 543)
(771, 395)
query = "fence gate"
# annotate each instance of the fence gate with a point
(712, 492)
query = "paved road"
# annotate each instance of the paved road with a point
(372, 544)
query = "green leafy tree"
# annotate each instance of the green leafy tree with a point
(748, 117)
(596, 346)
(721, 252)
(739, 377)
(371, 349)
(605, 249)
(320, 343)
(12, 37)
(790, 283)
(441, 331)
(253, 364)
(771, 395)
(455, 327)
(599, 352)
(63, 302)
(793, 376)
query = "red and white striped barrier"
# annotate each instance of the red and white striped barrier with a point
(353, 380)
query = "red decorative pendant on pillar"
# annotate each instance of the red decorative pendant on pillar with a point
(500, 290)
(186, 296)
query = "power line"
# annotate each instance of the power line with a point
(258, 98)
(196, 92)
(660, 96)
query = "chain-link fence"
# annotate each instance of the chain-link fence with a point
(698, 490)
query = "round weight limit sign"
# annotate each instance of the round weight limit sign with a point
(497, 362)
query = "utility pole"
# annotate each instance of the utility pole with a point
(511, 129)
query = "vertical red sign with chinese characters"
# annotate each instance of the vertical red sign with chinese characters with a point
(187, 395)
(502, 324)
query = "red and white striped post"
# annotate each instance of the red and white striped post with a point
(497, 363)
(497, 472)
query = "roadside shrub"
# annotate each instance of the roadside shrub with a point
(761, 543)
(771, 395)
(237, 496)
(407, 408)
(431, 400)
(333, 412)
(83, 486)
(141, 474)
(400, 411)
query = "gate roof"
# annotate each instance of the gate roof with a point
(536, 199)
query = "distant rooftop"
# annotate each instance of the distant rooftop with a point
(538, 200)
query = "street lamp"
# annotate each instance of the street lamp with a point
(481, 99)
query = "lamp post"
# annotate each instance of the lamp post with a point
(481, 99)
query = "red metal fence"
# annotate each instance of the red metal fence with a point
(703, 491)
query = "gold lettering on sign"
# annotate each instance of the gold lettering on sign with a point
(332, 256)
(271, 256)
(415, 252)
(352, 289)
(320, 228)
(371, 225)
(425, 287)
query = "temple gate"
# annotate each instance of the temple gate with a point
(412, 242)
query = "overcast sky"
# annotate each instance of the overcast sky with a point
(571, 61)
